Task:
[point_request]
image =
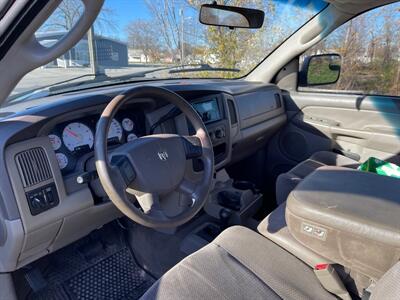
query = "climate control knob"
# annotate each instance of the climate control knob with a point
(212, 135)
(37, 202)
(219, 133)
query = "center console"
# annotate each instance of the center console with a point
(233, 202)
(340, 221)
(351, 217)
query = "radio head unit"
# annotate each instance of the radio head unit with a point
(208, 110)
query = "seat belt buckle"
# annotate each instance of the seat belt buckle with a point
(330, 280)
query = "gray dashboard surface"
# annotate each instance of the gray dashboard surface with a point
(234, 87)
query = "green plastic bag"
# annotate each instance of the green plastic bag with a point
(381, 167)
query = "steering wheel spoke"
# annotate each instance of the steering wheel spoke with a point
(192, 145)
(150, 204)
(188, 188)
(117, 179)
(121, 165)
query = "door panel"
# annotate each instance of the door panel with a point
(360, 126)
(372, 130)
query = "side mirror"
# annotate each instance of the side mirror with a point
(320, 70)
(231, 16)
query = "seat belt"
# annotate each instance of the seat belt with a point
(330, 280)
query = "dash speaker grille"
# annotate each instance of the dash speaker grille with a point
(294, 145)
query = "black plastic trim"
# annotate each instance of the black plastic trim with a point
(24, 18)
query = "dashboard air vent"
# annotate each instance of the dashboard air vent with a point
(232, 112)
(33, 166)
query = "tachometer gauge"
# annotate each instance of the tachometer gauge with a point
(77, 135)
(127, 124)
(62, 160)
(131, 137)
(55, 141)
(115, 130)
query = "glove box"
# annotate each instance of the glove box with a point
(348, 216)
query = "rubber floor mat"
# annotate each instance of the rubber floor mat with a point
(100, 266)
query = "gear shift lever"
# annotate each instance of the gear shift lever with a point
(224, 216)
(229, 200)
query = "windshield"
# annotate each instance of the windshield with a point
(158, 39)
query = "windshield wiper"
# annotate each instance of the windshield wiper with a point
(202, 67)
(174, 70)
(189, 68)
(46, 90)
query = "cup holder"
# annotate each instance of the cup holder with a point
(244, 185)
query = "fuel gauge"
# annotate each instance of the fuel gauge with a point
(62, 160)
(131, 137)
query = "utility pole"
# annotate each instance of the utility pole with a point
(92, 52)
(182, 40)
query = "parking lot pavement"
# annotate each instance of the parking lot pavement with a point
(42, 77)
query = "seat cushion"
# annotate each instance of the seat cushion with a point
(388, 287)
(239, 264)
(286, 182)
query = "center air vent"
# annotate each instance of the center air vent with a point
(33, 166)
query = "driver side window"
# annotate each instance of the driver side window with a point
(369, 46)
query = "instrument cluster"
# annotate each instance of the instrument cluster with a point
(71, 140)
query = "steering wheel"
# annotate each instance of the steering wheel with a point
(138, 175)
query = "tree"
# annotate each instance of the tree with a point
(141, 35)
(166, 21)
(237, 48)
(65, 17)
(68, 13)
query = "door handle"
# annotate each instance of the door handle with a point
(320, 121)
(350, 132)
(348, 154)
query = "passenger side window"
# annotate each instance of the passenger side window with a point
(369, 46)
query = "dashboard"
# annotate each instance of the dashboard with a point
(48, 143)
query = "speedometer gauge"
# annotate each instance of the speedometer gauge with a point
(77, 135)
(115, 130)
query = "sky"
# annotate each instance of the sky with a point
(127, 10)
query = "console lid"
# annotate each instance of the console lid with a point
(348, 216)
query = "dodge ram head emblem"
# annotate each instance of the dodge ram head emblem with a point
(162, 155)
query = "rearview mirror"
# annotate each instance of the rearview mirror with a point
(231, 16)
(320, 69)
